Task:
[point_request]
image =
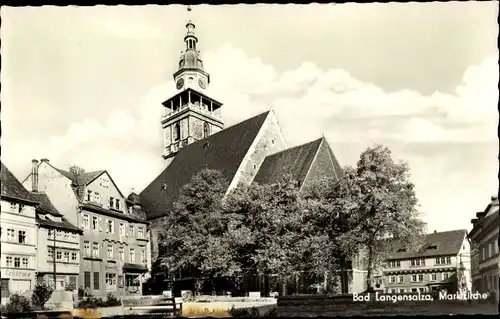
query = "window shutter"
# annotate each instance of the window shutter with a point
(126, 230)
(100, 223)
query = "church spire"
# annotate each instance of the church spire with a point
(190, 115)
(190, 39)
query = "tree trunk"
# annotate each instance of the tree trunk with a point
(214, 291)
(284, 282)
(325, 283)
(369, 268)
(296, 284)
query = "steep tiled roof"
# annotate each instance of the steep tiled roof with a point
(224, 151)
(445, 243)
(295, 161)
(12, 188)
(45, 203)
(82, 179)
(46, 207)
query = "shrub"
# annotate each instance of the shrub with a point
(92, 302)
(243, 312)
(41, 295)
(70, 287)
(17, 303)
(112, 301)
(273, 312)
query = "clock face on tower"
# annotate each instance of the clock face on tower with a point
(202, 83)
(180, 84)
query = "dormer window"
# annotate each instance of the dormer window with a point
(432, 246)
(401, 250)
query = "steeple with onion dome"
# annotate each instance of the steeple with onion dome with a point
(189, 115)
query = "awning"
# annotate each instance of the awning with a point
(134, 268)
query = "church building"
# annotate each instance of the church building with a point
(195, 138)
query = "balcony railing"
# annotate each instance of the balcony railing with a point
(193, 106)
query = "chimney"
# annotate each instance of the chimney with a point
(435, 231)
(494, 198)
(46, 160)
(34, 175)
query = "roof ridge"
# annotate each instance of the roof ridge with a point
(295, 147)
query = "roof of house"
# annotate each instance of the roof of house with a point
(82, 179)
(12, 187)
(45, 204)
(223, 151)
(485, 218)
(111, 213)
(445, 243)
(295, 161)
(46, 207)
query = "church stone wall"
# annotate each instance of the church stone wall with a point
(196, 128)
(269, 140)
(156, 225)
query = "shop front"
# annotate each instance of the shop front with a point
(17, 281)
(132, 278)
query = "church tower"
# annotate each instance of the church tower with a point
(190, 115)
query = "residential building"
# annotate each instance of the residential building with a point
(114, 245)
(58, 242)
(251, 151)
(485, 251)
(441, 263)
(18, 237)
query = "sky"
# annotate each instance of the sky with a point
(84, 85)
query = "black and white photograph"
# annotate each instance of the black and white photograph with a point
(242, 160)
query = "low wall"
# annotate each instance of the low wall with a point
(221, 308)
(367, 304)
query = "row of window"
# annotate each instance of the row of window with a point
(16, 208)
(111, 254)
(420, 262)
(16, 236)
(64, 256)
(443, 261)
(111, 281)
(96, 198)
(403, 290)
(62, 234)
(110, 227)
(17, 262)
(418, 278)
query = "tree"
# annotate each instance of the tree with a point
(382, 207)
(41, 295)
(194, 233)
(77, 172)
(272, 216)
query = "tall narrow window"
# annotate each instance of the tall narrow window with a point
(22, 237)
(206, 129)
(177, 131)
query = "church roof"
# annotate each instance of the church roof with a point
(12, 187)
(223, 151)
(295, 161)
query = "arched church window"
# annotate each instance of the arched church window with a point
(206, 129)
(177, 131)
